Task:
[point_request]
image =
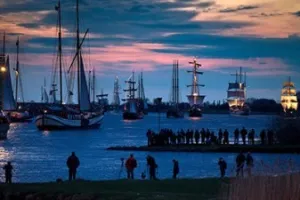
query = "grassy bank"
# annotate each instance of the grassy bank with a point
(213, 148)
(122, 189)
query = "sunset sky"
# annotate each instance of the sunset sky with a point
(263, 36)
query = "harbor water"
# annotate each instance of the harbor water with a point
(39, 156)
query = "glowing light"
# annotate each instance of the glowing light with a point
(45, 111)
(3, 69)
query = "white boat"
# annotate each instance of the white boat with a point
(63, 117)
(236, 95)
(289, 101)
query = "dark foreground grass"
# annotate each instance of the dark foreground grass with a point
(126, 189)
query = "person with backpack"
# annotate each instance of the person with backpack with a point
(130, 164)
(152, 167)
(223, 166)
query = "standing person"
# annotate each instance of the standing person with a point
(244, 134)
(220, 136)
(130, 164)
(236, 136)
(152, 167)
(8, 172)
(262, 136)
(202, 132)
(226, 137)
(73, 163)
(240, 161)
(175, 168)
(223, 166)
(197, 136)
(249, 163)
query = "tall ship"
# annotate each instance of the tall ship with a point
(131, 109)
(4, 122)
(60, 116)
(195, 99)
(116, 96)
(174, 111)
(289, 101)
(103, 101)
(14, 112)
(236, 95)
(142, 101)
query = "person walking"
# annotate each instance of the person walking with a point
(223, 166)
(249, 163)
(130, 164)
(8, 172)
(240, 161)
(152, 167)
(175, 168)
(73, 163)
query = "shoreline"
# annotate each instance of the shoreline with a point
(276, 149)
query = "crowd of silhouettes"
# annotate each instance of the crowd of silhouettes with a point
(206, 136)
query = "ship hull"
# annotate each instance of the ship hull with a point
(240, 112)
(174, 114)
(54, 122)
(132, 116)
(195, 112)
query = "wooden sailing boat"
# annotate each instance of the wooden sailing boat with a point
(174, 111)
(195, 99)
(289, 101)
(14, 112)
(64, 117)
(103, 101)
(236, 95)
(4, 62)
(131, 110)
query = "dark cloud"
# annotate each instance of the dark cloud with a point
(297, 13)
(267, 15)
(240, 8)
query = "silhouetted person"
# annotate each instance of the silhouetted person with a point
(240, 161)
(251, 136)
(149, 134)
(197, 137)
(8, 172)
(263, 137)
(202, 132)
(270, 136)
(244, 134)
(152, 167)
(223, 166)
(130, 164)
(220, 136)
(249, 163)
(175, 169)
(236, 136)
(226, 137)
(73, 163)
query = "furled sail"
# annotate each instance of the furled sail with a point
(9, 102)
(45, 96)
(84, 92)
(238, 94)
(236, 86)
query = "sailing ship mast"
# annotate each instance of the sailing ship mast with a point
(116, 99)
(17, 72)
(60, 52)
(175, 85)
(78, 50)
(195, 98)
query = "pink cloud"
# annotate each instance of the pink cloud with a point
(140, 56)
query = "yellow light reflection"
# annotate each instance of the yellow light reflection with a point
(3, 69)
